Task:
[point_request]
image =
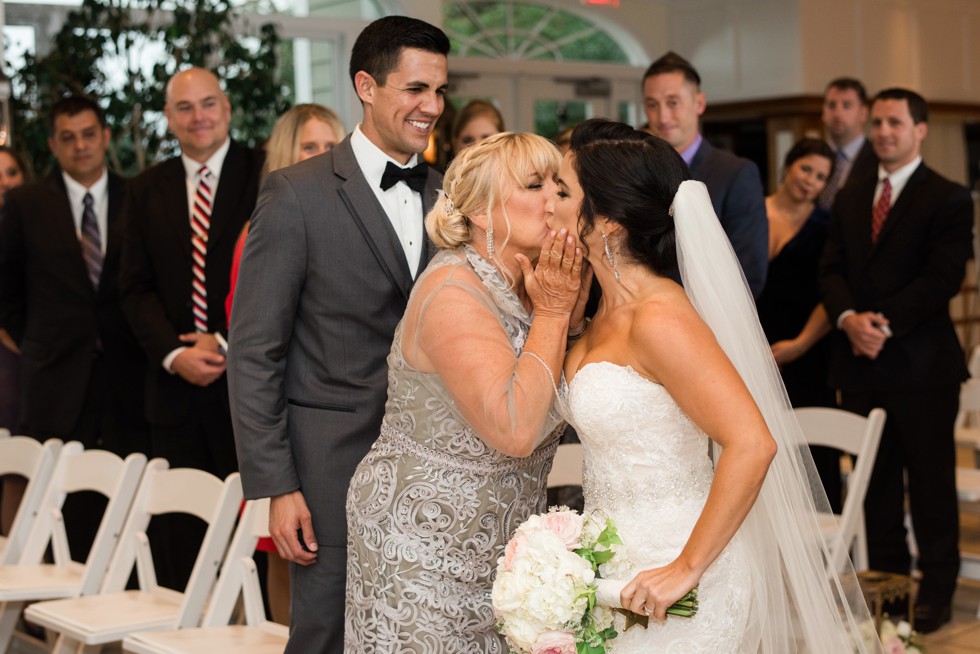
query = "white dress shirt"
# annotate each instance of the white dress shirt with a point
(192, 171)
(100, 204)
(402, 205)
(898, 179)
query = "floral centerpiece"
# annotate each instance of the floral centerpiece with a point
(544, 594)
(899, 638)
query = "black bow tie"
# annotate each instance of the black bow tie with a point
(415, 177)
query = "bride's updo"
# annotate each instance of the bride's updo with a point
(629, 177)
(481, 178)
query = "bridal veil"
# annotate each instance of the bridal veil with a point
(801, 603)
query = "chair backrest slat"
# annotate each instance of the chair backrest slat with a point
(20, 455)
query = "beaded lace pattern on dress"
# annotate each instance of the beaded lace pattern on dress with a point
(431, 506)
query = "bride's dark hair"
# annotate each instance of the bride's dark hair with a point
(629, 177)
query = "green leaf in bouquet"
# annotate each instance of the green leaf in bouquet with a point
(609, 536)
(602, 556)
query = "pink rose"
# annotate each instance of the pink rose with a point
(567, 525)
(894, 646)
(514, 547)
(555, 642)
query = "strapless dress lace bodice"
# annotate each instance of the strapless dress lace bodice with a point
(647, 467)
(650, 450)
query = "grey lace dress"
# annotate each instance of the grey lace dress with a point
(431, 507)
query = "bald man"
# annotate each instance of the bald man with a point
(183, 218)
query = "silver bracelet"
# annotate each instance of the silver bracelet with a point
(551, 375)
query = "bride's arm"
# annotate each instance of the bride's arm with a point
(673, 345)
(503, 397)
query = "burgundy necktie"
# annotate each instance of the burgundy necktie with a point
(200, 224)
(880, 212)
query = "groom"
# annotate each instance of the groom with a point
(335, 245)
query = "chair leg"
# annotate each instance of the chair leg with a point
(860, 548)
(9, 613)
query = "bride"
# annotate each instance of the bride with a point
(661, 370)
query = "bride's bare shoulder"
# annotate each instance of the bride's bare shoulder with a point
(667, 325)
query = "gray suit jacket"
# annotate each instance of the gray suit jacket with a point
(322, 285)
(736, 193)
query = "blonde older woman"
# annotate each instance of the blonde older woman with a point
(469, 428)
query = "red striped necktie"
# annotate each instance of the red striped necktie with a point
(200, 224)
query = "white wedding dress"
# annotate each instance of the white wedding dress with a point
(647, 468)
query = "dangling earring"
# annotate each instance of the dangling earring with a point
(609, 255)
(490, 252)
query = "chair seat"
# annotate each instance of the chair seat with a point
(270, 638)
(968, 484)
(99, 619)
(39, 582)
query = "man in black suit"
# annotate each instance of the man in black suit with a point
(845, 110)
(333, 251)
(185, 215)
(895, 256)
(60, 245)
(673, 102)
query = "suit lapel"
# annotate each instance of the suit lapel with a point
(63, 229)
(114, 229)
(903, 204)
(174, 196)
(226, 200)
(371, 218)
(432, 185)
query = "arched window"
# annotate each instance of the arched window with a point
(515, 30)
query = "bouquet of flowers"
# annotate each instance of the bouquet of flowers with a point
(545, 591)
(899, 639)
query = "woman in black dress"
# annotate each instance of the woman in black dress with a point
(790, 311)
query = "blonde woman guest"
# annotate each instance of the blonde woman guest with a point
(470, 428)
(303, 132)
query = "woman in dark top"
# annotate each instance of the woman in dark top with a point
(790, 311)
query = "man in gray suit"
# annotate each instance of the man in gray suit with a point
(335, 245)
(674, 103)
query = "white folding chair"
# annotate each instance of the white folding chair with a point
(967, 426)
(87, 623)
(29, 579)
(33, 460)
(855, 435)
(238, 578)
(566, 470)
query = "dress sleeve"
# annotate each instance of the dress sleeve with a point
(454, 329)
